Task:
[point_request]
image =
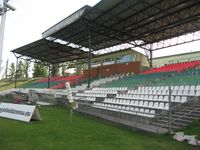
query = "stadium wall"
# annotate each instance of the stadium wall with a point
(109, 70)
(160, 61)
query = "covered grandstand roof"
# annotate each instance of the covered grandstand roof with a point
(128, 21)
(50, 51)
(115, 22)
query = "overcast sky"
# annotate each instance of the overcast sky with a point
(32, 17)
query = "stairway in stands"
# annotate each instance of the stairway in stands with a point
(181, 115)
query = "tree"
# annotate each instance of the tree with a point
(12, 70)
(20, 69)
(63, 69)
(39, 70)
(26, 68)
(6, 69)
(55, 70)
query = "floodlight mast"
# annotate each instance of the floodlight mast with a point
(3, 9)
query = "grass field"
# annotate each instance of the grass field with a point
(55, 133)
(4, 85)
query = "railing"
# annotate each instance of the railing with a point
(159, 116)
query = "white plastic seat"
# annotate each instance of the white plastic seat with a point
(150, 91)
(160, 98)
(159, 92)
(162, 105)
(123, 107)
(181, 87)
(176, 88)
(166, 98)
(150, 97)
(177, 99)
(155, 105)
(145, 103)
(154, 92)
(146, 97)
(150, 104)
(180, 92)
(141, 97)
(162, 88)
(141, 110)
(155, 98)
(136, 103)
(132, 109)
(136, 109)
(197, 93)
(166, 88)
(187, 87)
(185, 92)
(167, 106)
(198, 87)
(132, 102)
(183, 99)
(137, 96)
(174, 92)
(192, 93)
(192, 87)
(152, 112)
(127, 108)
(146, 111)
(141, 103)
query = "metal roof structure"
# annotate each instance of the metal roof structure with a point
(50, 52)
(136, 22)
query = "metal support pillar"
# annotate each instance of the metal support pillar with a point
(151, 56)
(16, 72)
(2, 27)
(89, 59)
(49, 70)
(169, 112)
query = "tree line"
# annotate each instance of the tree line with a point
(38, 69)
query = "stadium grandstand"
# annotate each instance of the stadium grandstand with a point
(121, 85)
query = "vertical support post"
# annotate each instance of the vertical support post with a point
(2, 27)
(169, 112)
(49, 70)
(89, 59)
(151, 55)
(16, 71)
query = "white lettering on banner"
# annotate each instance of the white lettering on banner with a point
(19, 112)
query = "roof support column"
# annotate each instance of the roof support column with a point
(16, 72)
(151, 56)
(49, 69)
(89, 59)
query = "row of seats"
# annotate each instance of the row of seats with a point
(112, 88)
(101, 91)
(182, 87)
(141, 103)
(180, 99)
(165, 92)
(127, 109)
(174, 67)
(91, 94)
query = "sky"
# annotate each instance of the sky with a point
(32, 17)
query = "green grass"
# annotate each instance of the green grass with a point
(55, 133)
(4, 85)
